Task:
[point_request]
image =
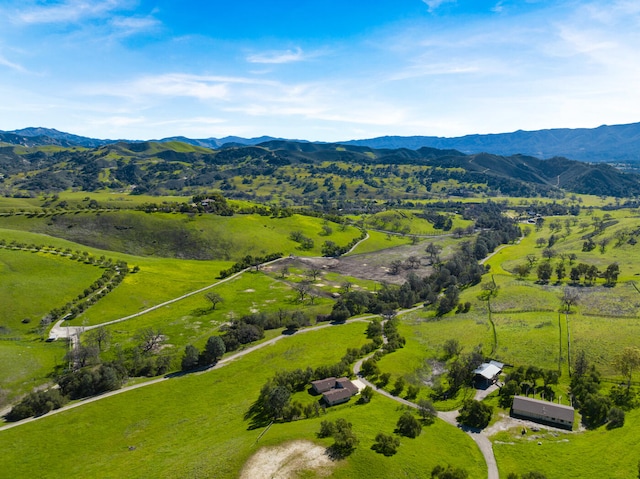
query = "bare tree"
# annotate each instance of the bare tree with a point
(214, 298)
(413, 262)
(395, 266)
(302, 288)
(149, 339)
(99, 336)
(570, 297)
(434, 251)
(314, 272)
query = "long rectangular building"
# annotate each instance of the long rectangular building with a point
(544, 412)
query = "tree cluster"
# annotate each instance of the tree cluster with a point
(332, 250)
(475, 414)
(345, 440)
(525, 380)
(248, 261)
(594, 407)
(36, 404)
(92, 381)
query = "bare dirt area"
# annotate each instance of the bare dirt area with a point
(371, 266)
(287, 461)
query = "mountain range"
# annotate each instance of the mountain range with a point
(304, 170)
(610, 144)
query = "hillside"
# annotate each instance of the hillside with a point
(606, 143)
(300, 172)
(617, 143)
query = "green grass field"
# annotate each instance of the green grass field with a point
(598, 453)
(193, 426)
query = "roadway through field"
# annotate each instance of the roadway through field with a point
(73, 332)
(450, 417)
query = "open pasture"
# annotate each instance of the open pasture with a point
(193, 426)
(25, 365)
(34, 283)
(598, 453)
(192, 320)
(182, 236)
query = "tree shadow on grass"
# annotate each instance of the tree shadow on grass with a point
(199, 312)
(336, 453)
(257, 416)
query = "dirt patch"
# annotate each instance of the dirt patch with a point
(372, 266)
(287, 461)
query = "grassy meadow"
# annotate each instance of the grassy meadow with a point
(193, 426)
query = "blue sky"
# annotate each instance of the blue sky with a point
(324, 70)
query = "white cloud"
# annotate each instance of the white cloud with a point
(434, 4)
(498, 8)
(277, 57)
(12, 65)
(69, 11)
(125, 26)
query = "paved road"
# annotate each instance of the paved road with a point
(480, 438)
(59, 331)
(220, 364)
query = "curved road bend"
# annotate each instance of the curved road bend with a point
(223, 362)
(59, 331)
(480, 438)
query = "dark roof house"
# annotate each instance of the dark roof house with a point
(335, 391)
(544, 412)
(322, 385)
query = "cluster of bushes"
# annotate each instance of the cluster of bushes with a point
(594, 407)
(439, 221)
(475, 414)
(92, 381)
(37, 404)
(251, 327)
(345, 440)
(248, 262)
(305, 242)
(525, 380)
(332, 250)
(213, 351)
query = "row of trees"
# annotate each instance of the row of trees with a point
(113, 274)
(249, 261)
(581, 272)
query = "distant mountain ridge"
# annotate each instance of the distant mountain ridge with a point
(611, 144)
(617, 143)
(181, 168)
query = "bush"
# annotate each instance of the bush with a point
(408, 425)
(475, 414)
(386, 444)
(440, 472)
(615, 418)
(36, 404)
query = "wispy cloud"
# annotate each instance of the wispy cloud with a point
(69, 11)
(434, 4)
(202, 87)
(14, 66)
(276, 57)
(125, 26)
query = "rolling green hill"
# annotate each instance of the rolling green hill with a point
(296, 172)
